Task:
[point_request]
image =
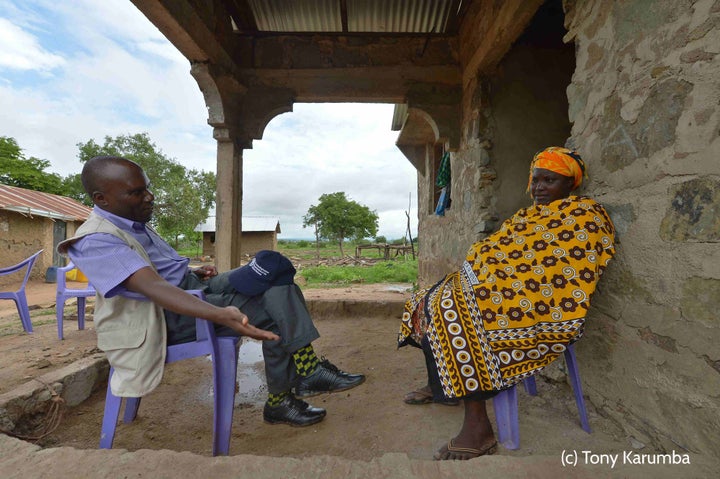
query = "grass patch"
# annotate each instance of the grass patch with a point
(382, 272)
(397, 270)
(11, 324)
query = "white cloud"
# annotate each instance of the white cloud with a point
(22, 51)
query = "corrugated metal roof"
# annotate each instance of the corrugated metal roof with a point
(398, 16)
(400, 114)
(37, 203)
(360, 16)
(249, 224)
(297, 15)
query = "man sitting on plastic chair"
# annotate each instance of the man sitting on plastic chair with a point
(142, 305)
(516, 304)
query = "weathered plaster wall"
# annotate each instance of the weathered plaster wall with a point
(254, 241)
(644, 102)
(21, 237)
(208, 244)
(528, 104)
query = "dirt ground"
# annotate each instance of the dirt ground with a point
(363, 423)
(25, 356)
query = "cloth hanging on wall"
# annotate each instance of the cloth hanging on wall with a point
(443, 181)
(443, 201)
(443, 174)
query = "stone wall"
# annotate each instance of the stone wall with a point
(643, 106)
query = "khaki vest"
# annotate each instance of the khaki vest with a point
(132, 333)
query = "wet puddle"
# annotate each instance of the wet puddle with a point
(252, 388)
(251, 373)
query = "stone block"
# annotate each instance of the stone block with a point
(694, 212)
(622, 217)
(653, 130)
(485, 226)
(700, 300)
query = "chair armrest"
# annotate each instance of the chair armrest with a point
(204, 329)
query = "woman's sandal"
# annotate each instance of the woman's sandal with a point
(421, 396)
(465, 452)
(424, 396)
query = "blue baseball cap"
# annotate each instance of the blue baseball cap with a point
(266, 269)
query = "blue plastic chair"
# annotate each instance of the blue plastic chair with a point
(505, 404)
(224, 354)
(64, 293)
(19, 296)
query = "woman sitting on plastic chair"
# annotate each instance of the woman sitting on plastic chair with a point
(519, 299)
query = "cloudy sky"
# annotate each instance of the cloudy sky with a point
(77, 70)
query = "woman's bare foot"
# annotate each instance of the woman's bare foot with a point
(476, 437)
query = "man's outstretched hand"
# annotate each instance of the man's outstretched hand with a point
(240, 323)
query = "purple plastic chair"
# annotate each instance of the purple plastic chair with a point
(505, 404)
(64, 293)
(224, 354)
(19, 296)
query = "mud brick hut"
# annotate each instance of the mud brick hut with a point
(31, 221)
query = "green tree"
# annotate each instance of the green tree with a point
(312, 218)
(183, 196)
(73, 188)
(29, 173)
(337, 218)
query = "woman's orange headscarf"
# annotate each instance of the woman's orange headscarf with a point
(561, 161)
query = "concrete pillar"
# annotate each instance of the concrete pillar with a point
(228, 202)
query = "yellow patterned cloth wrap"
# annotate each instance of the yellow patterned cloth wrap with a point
(519, 299)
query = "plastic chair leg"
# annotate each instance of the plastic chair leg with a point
(81, 312)
(530, 386)
(505, 405)
(22, 306)
(59, 312)
(110, 417)
(224, 376)
(131, 408)
(574, 374)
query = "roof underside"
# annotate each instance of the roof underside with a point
(252, 17)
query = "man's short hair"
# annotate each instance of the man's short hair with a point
(93, 173)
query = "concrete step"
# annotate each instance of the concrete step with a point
(20, 459)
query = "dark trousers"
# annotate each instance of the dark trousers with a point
(280, 309)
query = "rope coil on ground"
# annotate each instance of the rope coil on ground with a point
(53, 417)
